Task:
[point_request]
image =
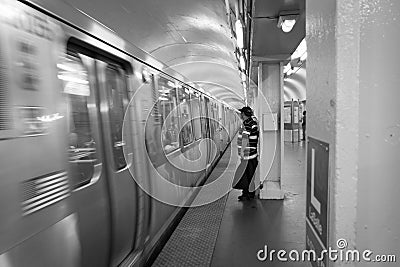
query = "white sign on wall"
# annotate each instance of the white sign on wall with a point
(270, 122)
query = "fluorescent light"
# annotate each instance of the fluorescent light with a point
(288, 24)
(287, 20)
(239, 34)
(242, 63)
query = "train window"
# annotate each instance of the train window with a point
(195, 103)
(117, 101)
(168, 109)
(210, 117)
(82, 149)
(214, 121)
(186, 132)
(224, 118)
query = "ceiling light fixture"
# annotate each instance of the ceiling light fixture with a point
(242, 63)
(239, 34)
(287, 20)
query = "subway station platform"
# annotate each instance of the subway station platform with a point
(229, 232)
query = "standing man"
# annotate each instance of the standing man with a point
(303, 124)
(248, 151)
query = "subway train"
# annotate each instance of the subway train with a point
(102, 146)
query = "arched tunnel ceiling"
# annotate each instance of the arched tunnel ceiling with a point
(194, 38)
(191, 36)
(295, 85)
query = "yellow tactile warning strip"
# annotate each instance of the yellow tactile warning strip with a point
(194, 239)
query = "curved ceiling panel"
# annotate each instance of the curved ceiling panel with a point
(213, 75)
(219, 88)
(286, 96)
(291, 91)
(294, 86)
(194, 37)
(171, 52)
(180, 33)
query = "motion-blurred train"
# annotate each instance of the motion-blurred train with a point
(88, 126)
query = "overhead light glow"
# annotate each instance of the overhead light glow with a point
(288, 24)
(243, 76)
(239, 33)
(287, 20)
(10, 13)
(242, 63)
(50, 118)
(300, 50)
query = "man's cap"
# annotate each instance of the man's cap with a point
(247, 111)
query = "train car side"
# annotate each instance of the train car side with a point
(101, 144)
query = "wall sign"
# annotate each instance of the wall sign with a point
(317, 198)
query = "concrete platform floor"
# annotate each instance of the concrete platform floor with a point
(230, 233)
(248, 226)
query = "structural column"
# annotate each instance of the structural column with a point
(352, 105)
(270, 108)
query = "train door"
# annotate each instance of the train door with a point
(117, 224)
(119, 155)
(86, 162)
(38, 226)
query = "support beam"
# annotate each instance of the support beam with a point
(270, 101)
